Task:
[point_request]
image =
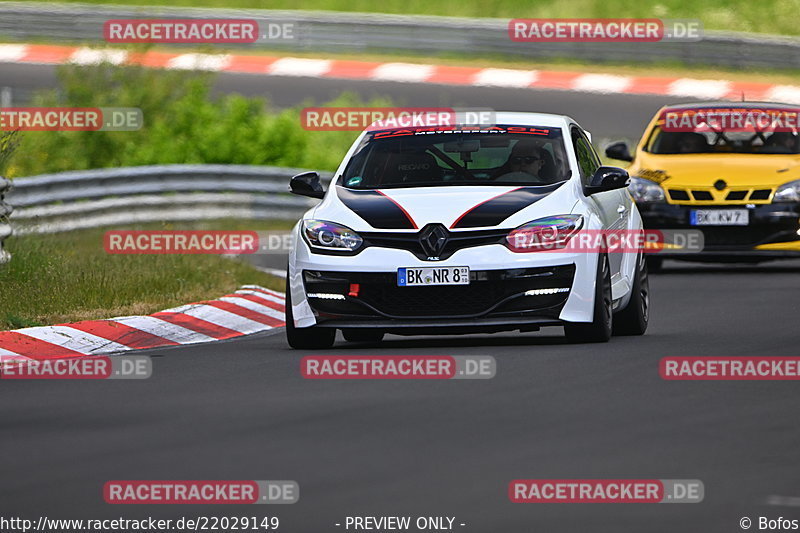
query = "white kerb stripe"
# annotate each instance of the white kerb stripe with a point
(74, 339)
(296, 66)
(260, 288)
(601, 83)
(504, 77)
(699, 88)
(212, 62)
(223, 318)
(784, 93)
(253, 306)
(89, 56)
(12, 52)
(409, 72)
(263, 296)
(163, 329)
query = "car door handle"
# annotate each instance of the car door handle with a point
(621, 209)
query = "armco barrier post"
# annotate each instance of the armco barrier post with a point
(5, 227)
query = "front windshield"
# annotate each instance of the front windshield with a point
(730, 142)
(499, 155)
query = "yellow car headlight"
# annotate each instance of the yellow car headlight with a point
(644, 190)
(788, 192)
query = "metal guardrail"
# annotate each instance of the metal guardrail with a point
(360, 32)
(5, 227)
(122, 196)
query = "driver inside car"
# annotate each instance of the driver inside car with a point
(526, 164)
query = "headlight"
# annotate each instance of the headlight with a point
(544, 233)
(329, 236)
(788, 192)
(644, 190)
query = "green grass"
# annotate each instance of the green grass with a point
(66, 277)
(184, 123)
(770, 16)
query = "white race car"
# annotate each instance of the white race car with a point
(429, 230)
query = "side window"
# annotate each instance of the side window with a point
(588, 162)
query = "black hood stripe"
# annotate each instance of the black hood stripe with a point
(376, 208)
(494, 211)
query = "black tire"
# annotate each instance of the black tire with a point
(634, 318)
(312, 338)
(362, 335)
(655, 264)
(601, 327)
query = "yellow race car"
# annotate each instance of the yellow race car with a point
(731, 170)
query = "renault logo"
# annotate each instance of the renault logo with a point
(720, 185)
(433, 239)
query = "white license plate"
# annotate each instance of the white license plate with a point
(411, 277)
(720, 217)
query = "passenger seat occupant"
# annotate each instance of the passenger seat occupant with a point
(781, 142)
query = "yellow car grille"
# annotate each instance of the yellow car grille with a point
(702, 195)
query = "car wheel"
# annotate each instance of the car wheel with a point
(600, 328)
(634, 318)
(312, 338)
(362, 335)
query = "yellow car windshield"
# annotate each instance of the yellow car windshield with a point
(709, 142)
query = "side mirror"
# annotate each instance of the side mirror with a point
(607, 179)
(307, 184)
(619, 150)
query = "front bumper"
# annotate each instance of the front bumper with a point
(493, 298)
(771, 234)
(380, 264)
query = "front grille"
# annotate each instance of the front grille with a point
(736, 195)
(702, 196)
(761, 194)
(746, 236)
(431, 301)
(678, 195)
(492, 291)
(733, 236)
(456, 240)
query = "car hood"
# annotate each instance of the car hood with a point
(455, 207)
(703, 170)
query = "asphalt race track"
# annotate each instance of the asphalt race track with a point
(241, 410)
